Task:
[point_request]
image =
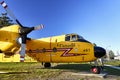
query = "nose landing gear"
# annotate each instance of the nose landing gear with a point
(95, 69)
(99, 66)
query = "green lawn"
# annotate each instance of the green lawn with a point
(22, 71)
(114, 63)
(113, 71)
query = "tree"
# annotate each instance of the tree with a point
(118, 52)
(94, 44)
(111, 54)
(5, 20)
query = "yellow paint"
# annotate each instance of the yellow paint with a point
(59, 42)
(50, 49)
(13, 58)
(8, 37)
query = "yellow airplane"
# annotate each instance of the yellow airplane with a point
(62, 48)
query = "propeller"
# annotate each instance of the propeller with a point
(23, 31)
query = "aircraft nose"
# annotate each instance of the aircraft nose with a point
(99, 52)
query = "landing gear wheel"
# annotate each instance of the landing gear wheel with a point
(95, 69)
(47, 65)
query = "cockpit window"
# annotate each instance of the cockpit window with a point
(67, 38)
(79, 37)
(74, 38)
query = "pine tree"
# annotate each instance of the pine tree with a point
(5, 20)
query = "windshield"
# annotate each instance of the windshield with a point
(79, 37)
(75, 37)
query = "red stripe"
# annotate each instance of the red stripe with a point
(21, 60)
(49, 50)
(2, 2)
(5, 5)
(66, 53)
(21, 56)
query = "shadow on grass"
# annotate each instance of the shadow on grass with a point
(85, 68)
(74, 67)
(112, 71)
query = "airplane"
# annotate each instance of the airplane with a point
(56, 49)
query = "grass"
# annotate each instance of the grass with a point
(74, 67)
(35, 71)
(86, 68)
(114, 63)
(21, 71)
(113, 71)
(15, 66)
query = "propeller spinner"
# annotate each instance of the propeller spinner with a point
(23, 31)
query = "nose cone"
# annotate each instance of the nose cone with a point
(99, 52)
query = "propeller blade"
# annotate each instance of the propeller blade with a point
(23, 48)
(23, 31)
(39, 27)
(26, 30)
(22, 52)
(5, 6)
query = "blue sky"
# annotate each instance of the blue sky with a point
(96, 20)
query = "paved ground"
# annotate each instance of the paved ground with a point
(113, 67)
(68, 75)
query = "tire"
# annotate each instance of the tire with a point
(95, 69)
(47, 65)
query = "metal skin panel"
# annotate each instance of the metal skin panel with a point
(8, 37)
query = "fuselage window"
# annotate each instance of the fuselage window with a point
(43, 50)
(67, 38)
(54, 49)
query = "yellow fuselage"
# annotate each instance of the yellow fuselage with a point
(51, 49)
(56, 49)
